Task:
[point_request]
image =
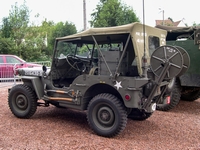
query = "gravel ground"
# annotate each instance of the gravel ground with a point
(53, 128)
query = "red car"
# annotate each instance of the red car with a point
(9, 63)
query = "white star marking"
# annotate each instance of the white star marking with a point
(118, 85)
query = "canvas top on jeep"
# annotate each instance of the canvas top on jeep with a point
(154, 38)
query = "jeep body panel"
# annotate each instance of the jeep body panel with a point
(122, 86)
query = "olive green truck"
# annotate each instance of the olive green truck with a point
(187, 86)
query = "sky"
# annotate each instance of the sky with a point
(72, 10)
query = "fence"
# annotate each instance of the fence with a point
(7, 72)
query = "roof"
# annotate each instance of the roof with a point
(101, 31)
(172, 29)
(168, 22)
(123, 29)
(174, 33)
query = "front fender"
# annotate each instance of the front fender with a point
(36, 83)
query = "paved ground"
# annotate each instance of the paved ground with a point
(53, 128)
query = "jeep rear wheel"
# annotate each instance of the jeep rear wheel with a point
(22, 101)
(190, 93)
(106, 115)
(175, 94)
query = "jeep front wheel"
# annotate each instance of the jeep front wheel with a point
(22, 101)
(106, 115)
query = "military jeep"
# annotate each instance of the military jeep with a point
(106, 72)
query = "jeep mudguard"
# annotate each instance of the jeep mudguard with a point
(35, 83)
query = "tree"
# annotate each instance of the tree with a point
(14, 29)
(18, 20)
(6, 46)
(6, 29)
(29, 41)
(196, 24)
(62, 29)
(47, 28)
(112, 13)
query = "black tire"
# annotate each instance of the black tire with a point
(106, 115)
(22, 101)
(190, 93)
(139, 115)
(175, 95)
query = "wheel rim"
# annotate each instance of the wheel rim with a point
(21, 102)
(103, 116)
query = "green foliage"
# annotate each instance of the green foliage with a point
(6, 29)
(15, 28)
(18, 21)
(112, 13)
(7, 46)
(29, 41)
(196, 24)
(59, 30)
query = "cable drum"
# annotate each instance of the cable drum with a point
(167, 54)
(186, 58)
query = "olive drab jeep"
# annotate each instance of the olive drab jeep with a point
(113, 73)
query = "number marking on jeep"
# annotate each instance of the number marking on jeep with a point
(36, 73)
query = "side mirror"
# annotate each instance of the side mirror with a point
(44, 68)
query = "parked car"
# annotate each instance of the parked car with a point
(9, 63)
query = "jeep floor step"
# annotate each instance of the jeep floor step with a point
(59, 98)
(60, 91)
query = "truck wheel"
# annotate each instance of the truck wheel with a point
(190, 94)
(22, 101)
(175, 95)
(106, 115)
(136, 114)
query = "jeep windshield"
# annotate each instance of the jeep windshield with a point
(76, 49)
(84, 49)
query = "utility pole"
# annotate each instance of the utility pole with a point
(163, 18)
(84, 14)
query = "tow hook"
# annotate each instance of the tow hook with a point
(151, 108)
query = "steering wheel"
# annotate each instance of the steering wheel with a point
(74, 62)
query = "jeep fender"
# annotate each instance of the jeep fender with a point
(35, 83)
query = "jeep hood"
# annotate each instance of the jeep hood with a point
(35, 71)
